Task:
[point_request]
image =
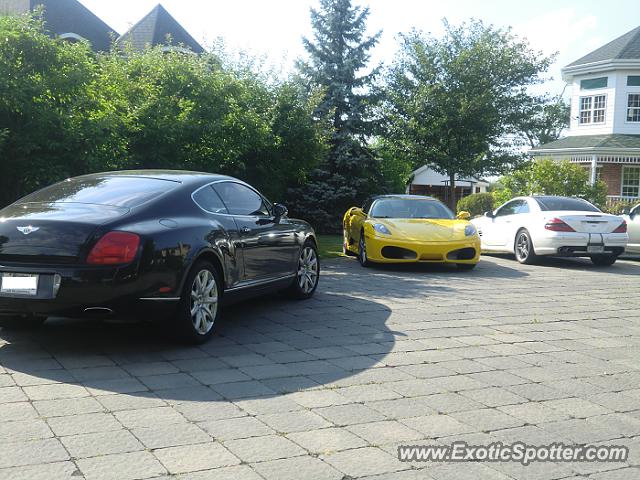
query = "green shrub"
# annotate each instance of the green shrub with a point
(616, 208)
(476, 204)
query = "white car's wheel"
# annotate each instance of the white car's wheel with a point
(524, 247)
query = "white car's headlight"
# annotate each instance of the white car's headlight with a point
(381, 228)
(469, 230)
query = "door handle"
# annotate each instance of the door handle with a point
(246, 230)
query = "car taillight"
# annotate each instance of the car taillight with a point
(557, 225)
(114, 248)
(622, 228)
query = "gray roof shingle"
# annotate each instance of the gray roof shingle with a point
(592, 141)
(625, 47)
(156, 29)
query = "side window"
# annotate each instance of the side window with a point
(367, 206)
(207, 199)
(510, 208)
(523, 208)
(241, 200)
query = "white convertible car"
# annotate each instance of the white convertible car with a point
(632, 217)
(548, 225)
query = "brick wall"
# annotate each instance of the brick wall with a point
(611, 174)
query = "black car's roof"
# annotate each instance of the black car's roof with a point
(180, 176)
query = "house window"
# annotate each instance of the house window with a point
(633, 107)
(631, 181)
(633, 81)
(593, 83)
(593, 109)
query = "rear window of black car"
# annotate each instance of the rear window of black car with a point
(119, 191)
(565, 204)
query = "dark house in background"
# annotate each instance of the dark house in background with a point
(66, 19)
(159, 28)
(72, 21)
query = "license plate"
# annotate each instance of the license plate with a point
(20, 284)
(595, 249)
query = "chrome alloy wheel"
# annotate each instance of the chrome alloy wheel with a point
(307, 270)
(362, 250)
(522, 246)
(204, 301)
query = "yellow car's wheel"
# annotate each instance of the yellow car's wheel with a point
(362, 251)
(345, 243)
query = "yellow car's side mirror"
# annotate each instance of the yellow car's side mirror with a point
(463, 215)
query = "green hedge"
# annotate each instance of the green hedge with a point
(476, 204)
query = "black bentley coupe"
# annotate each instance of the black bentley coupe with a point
(161, 244)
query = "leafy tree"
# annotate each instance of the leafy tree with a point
(65, 111)
(49, 112)
(338, 54)
(456, 102)
(543, 119)
(549, 177)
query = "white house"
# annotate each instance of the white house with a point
(604, 133)
(425, 181)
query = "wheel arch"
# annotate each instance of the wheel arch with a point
(211, 256)
(515, 239)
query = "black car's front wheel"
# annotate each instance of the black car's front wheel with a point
(199, 305)
(308, 272)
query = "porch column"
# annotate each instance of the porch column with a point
(594, 169)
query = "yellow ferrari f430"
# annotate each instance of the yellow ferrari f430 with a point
(410, 228)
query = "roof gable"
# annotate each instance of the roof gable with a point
(70, 16)
(158, 27)
(625, 47)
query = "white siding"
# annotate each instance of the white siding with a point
(426, 176)
(622, 90)
(575, 128)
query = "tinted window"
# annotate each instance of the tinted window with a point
(510, 208)
(120, 191)
(241, 200)
(409, 208)
(566, 204)
(367, 206)
(209, 200)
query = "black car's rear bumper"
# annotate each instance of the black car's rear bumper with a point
(89, 291)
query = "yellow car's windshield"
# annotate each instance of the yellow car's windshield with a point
(410, 208)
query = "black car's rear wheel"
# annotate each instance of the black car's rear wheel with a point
(308, 272)
(19, 322)
(604, 260)
(199, 306)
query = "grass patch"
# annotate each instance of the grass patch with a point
(330, 246)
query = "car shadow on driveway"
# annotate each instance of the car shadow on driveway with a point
(263, 348)
(621, 267)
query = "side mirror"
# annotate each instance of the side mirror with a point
(489, 214)
(626, 211)
(280, 211)
(463, 215)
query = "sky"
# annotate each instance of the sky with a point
(273, 28)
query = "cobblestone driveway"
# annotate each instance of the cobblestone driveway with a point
(328, 388)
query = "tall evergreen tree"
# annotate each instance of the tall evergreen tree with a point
(338, 55)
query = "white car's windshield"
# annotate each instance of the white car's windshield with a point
(410, 208)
